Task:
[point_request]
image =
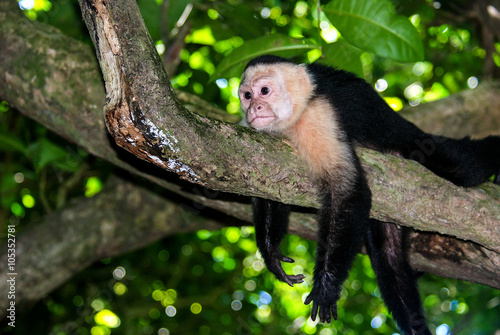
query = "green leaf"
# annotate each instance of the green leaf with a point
(344, 56)
(45, 152)
(11, 143)
(372, 25)
(276, 44)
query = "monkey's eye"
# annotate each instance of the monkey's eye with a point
(264, 90)
(248, 95)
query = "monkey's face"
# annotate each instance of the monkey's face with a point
(265, 100)
(274, 96)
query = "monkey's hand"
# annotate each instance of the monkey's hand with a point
(273, 263)
(324, 298)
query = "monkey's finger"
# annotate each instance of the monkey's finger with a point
(334, 311)
(279, 255)
(314, 311)
(287, 280)
(296, 279)
(299, 278)
(281, 275)
(287, 259)
(328, 315)
(323, 314)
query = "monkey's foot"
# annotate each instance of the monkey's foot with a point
(274, 265)
(323, 300)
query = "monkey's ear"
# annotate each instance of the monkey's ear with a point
(302, 82)
(299, 86)
(305, 78)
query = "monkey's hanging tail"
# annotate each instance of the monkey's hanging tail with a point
(396, 280)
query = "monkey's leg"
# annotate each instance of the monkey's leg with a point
(271, 225)
(464, 162)
(396, 280)
(342, 226)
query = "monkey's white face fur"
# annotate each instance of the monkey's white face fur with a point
(270, 100)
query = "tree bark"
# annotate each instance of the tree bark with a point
(472, 112)
(62, 80)
(151, 124)
(121, 218)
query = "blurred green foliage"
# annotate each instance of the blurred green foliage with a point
(214, 282)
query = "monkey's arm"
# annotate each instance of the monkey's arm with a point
(271, 225)
(342, 225)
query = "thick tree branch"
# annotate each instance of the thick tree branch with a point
(55, 80)
(73, 112)
(121, 218)
(151, 125)
(144, 117)
(473, 112)
(125, 217)
(55, 108)
(450, 257)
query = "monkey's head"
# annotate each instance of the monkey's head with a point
(273, 93)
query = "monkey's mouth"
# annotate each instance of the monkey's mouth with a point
(261, 121)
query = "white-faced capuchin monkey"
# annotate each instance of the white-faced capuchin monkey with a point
(324, 113)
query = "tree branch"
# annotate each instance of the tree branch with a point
(121, 218)
(462, 114)
(273, 170)
(150, 124)
(125, 217)
(62, 79)
(74, 113)
(144, 117)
